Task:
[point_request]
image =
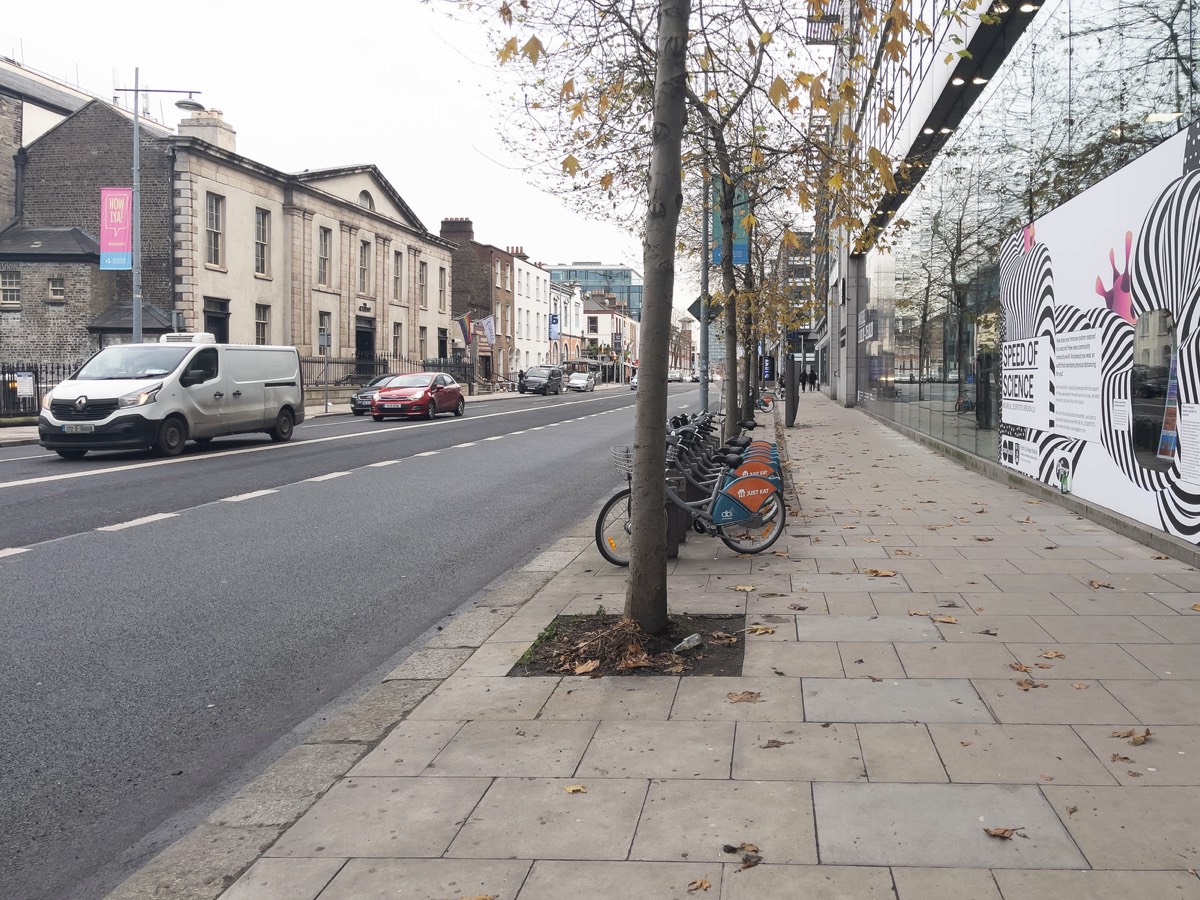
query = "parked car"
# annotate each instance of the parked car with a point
(581, 381)
(360, 400)
(695, 376)
(542, 380)
(633, 382)
(420, 394)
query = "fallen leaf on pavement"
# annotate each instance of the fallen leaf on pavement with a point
(1027, 683)
(700, 884)
(945, 620)
(725, 640)
(635, 662)
(1095, 585)
(1134, 738)
(918, 612)
(1117, 757)
(870, 540)
(1160, 556)
(901, 553)
(759, 628)
(1071, 810)
(1049, 547)
(880, 573)
(773, 744)
(744, 588)
(1047, 777)
(797, 606)
(782, 553)
(1044, 665)
(590, 666)
(991, 632)
(966, 743)
(1003, 833)
(482, 897)
(1080, 686)
(1033, 501)
(1133, 774)
(983, 538)
(740, 848)
(873, 678)
(575, 789)
(749, 861)
(1027, 521)
(1053, 654)
(744, 697)
(1020, 667)
(1196, 607)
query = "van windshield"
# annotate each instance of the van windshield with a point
(119, 362)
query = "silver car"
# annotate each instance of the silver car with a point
(581, 381)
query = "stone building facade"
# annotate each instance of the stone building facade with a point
(484, 286)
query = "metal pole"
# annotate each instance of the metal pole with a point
(137, 217)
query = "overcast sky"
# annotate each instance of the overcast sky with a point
(390, 82)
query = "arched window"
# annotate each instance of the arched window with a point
(365, 200)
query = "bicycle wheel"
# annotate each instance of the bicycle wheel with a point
(760, 532)
(766, 403)
(613, 538)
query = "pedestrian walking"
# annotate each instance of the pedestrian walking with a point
(812, 379)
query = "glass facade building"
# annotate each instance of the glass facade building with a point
(1035, 299)
(621, 283)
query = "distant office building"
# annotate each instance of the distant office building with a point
(620, 284)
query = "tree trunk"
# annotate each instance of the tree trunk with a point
(646, 598)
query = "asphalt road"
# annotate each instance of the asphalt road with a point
(168, 630)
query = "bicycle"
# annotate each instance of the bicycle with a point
(964, 404)
(745, 511)
(766, 403)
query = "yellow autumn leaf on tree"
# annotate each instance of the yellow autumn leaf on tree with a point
(778, 91)
(567, 89)
(533, 49)
(756, 156)
(749, 222)
(577, 110)
(789, 240)
(508, 51)
(571, 166)
(606, 181)
(764, 38)
(883, 166)
(836, 181)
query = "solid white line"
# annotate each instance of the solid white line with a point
(13, 551)
(19, 458)
(327, 476)
(380, 465)
(132, 523)
(515, 433)
(467, 444)
(428, 453)
(238, 498)
(263, 448)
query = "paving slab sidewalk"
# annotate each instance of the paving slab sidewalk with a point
(901, 715)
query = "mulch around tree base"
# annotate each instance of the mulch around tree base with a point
(594, 645)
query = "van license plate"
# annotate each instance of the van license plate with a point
(78, 429)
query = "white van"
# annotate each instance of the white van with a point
(185, 387)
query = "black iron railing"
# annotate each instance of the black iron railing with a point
(22, 385)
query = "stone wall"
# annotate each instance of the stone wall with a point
(44, 330)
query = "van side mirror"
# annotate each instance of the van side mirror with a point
(191, 376)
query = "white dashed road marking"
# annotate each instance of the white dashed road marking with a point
(133, 523)
(238, 498)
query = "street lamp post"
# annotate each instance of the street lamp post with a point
(188, 104)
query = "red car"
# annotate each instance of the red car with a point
(421, 394)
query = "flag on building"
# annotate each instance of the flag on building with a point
(554, 326)
(464, 322)
(489, 329)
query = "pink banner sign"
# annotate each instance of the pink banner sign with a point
(116, 228)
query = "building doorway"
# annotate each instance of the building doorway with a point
(364, 345)
(216, 318)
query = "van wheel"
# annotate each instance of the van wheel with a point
(283, 426)
(172, 435)
(71, 454)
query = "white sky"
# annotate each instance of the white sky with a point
(390, 82)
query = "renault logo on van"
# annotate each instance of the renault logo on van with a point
(81, 403)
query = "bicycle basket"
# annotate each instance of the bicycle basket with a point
(623, 459)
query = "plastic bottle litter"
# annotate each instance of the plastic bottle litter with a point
(690, 642)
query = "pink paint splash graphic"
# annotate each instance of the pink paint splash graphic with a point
(1118, 298)
(1027, 234)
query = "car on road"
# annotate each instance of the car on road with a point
(542, 380)
(675, 375)
(633, 382)
(581, 381)
(420, 394)
(695, 376)
(360, 400)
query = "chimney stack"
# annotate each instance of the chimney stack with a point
(207, 125)
(461, 231)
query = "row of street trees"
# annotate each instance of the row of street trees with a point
(639, 105)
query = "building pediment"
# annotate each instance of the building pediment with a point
(363, 185)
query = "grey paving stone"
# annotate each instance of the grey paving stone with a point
(954, 660)
(197, 865)
(709, 566)
(1058, 703)
(1020, 584)
(785, 604)
(866, 628)
(1034, 603)
(708, 699)
(408, 748)
(1128, 828)
(892, 700)
(693, 820)
(1170, 757)
(1166, 661)
(524, 626)
(601, 699)
(810, 882)
(1099, 630)
(284, 879)
(870, 659)
(529, 749)
(518, 588)
(495, 658)
(1110, 603)
(849, 582)
(849, 603)
(649, 749)
(589, 603)
(1036, 565)
(939, 825)
(794, 659)
(480, 697)
(1159, 702)
(1016, 884)
(1177, 629)
(388, 817)
(388, 879)
(783, 628)
(1016, 754)
(946, 884)
(792, 751)
(1081, 661)
(1006, 628)
(900, 753)
(373, 715)
(762, 582)
(469, 629)
(933, 604)
(1180, 602)
(524, 818)
(1145, 582)
(555, 880)
(431, 664)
